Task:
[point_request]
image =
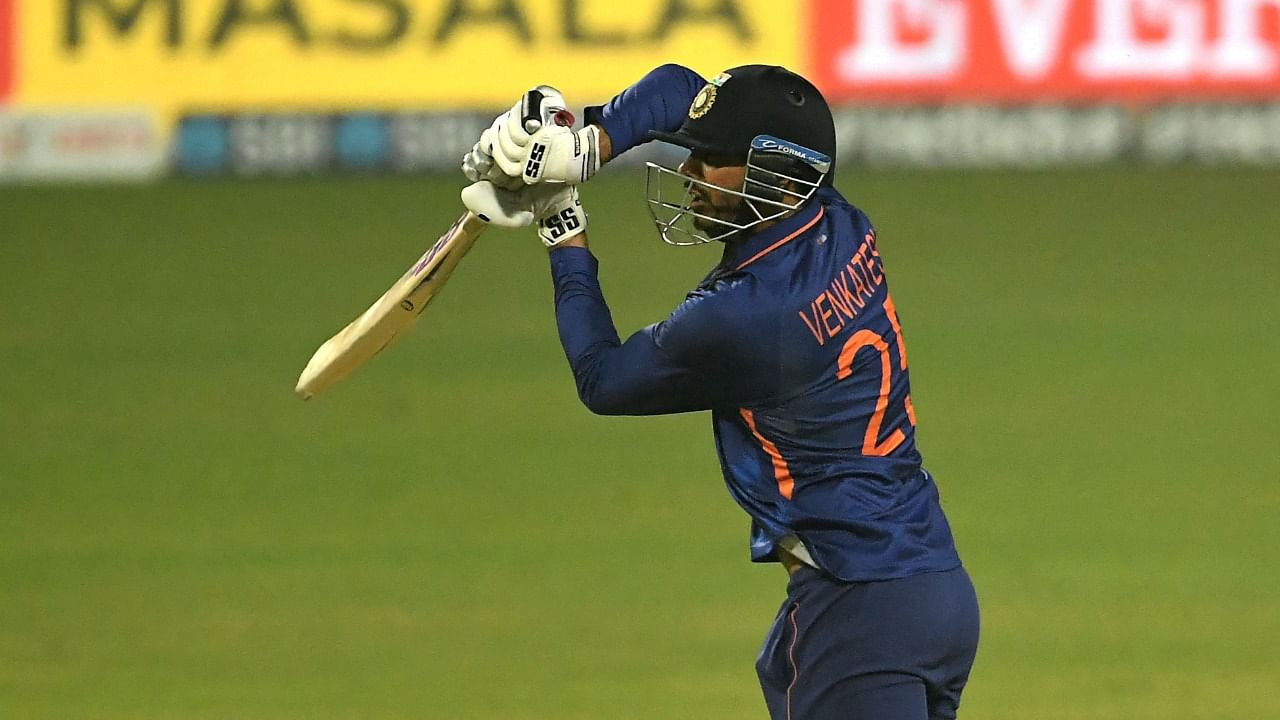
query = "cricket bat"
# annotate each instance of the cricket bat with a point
(401, 305)
(393, 313)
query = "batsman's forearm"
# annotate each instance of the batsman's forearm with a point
(614, 378)
(658, 101)
(582, 317)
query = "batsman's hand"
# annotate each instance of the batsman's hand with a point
(511, 133)
(547, 152)
(555, 208)
(478, 164)
(554, 154)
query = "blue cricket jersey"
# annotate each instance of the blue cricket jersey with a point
(794, 345)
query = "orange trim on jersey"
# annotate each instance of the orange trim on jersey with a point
(781, 472)
(821, 211)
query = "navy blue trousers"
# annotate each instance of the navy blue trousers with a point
(889, 650)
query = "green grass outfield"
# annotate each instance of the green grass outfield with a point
(448, 534)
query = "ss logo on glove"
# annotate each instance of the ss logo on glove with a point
(536, 153)
(560, 223)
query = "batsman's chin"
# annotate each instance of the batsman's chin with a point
(700, 211)
(704, 222)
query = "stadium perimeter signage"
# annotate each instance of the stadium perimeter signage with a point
(291, 143)
(235, 55)
(231, 55)
(1036, 50)
(8, 52)
(80, 145)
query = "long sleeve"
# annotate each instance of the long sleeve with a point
(658, 101)
(673, 366)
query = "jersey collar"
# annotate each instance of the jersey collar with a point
(775, 236)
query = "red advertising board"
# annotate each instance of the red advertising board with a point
(1030, 50)
(8, 47)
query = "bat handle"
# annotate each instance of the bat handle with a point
(544, 105)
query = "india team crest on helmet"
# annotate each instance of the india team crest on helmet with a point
(703, 101)
(706, 97)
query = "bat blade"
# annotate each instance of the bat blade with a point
(393, 313)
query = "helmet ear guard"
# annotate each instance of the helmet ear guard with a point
(771, 171)
(762, 178)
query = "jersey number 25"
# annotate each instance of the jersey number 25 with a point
(871, 443)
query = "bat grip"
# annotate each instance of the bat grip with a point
(531, 115)
(543, 105)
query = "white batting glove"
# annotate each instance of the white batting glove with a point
(553, 154)
(478, 164)
(559, 216)
(542, 107)
(555, 208)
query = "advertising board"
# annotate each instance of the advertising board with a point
(8, 49)
(231, 55)
(304, 86)
(1135, 51)
(80, 145)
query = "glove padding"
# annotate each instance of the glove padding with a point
(555, 208)
(478, 164)
(533, 141)
(503, 154)
(554, 154)
(561, 216)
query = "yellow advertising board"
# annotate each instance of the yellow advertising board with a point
(213, 55)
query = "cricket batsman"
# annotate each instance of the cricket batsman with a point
(793, 343)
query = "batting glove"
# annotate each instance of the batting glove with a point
(555, 208)
(478, 164)
(553, 154)
(546, 149)
(507, 154)
(560, 216)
